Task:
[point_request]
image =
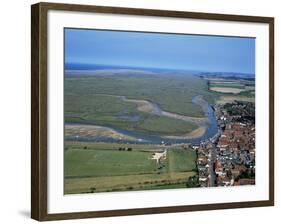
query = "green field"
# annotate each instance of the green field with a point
(164, 125)
(103, 167)
(229, 85)
(94, 100)
(106, 163)
(245, 88)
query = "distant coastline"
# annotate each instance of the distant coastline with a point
(83, 68)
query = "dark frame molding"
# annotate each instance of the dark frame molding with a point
(39, 110)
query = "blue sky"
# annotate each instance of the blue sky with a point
(172, 51)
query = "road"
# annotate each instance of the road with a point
(212, 159)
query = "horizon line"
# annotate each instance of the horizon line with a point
(144, 67)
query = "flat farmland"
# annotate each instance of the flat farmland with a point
(84, 163)
(229, 90)
(226, 89)
(231, 99)
(103, 167)
(127, 183)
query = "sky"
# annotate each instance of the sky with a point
(158, 50)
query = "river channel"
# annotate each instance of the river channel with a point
(208, 124)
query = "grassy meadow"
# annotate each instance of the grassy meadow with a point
(95, 100)
(99, 167)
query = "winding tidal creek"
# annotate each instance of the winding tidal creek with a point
(207, 127)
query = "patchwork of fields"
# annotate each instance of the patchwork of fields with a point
(229, 90)
(99, 167)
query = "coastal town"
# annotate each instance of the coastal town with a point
(228, 159)
(156, 111)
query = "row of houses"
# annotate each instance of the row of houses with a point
(235, 158)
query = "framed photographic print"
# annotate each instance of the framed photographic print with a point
(139, 111)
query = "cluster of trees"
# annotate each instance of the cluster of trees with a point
(208, 85)
(92, 190)
(248, 174)
(125, 149)
(193, 182)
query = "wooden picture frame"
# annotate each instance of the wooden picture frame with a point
(39, 109)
